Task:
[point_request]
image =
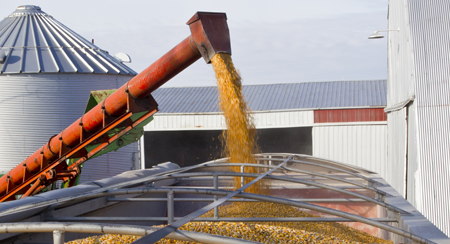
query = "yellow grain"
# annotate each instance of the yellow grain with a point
(267, 210)
(239, 138)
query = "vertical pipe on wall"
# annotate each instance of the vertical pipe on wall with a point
(405, 193)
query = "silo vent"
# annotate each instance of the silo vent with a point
(27, 7)
(123, 57)
(24, 10)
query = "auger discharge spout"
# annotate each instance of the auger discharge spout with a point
(209, 35)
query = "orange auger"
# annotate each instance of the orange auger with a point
(128, 107)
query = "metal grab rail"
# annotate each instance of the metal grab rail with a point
(218, 219)
(304, 205)
(288, 179)
(59, 229)
(318, 165)
(110, 199)
(266, 199)
(304, 172)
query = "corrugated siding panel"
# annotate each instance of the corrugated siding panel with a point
(284, 119)
(397, 150)
(430, 25)
(401, 74)
(186, 122)
(35, 107)
(349, 115)
(360, 145)
(277, 96)
(111, 164)
(217, 121)
(413, 175)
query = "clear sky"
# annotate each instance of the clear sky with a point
(271, 41)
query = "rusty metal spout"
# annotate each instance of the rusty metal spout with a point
(209, 35)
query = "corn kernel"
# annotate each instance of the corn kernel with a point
(265, 232)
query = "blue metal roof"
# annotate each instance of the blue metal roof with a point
(310, 95)
(32, 41)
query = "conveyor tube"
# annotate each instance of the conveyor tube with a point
(209, 35)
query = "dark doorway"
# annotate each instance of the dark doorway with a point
(187, 148)
(286, 140)
(181, 147)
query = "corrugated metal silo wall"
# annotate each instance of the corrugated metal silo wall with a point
(36, 106)
(430, 27)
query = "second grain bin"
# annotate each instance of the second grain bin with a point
(47, 72)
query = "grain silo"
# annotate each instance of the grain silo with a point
(47, 73)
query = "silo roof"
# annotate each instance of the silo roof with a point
(306, 95)
(31, 41)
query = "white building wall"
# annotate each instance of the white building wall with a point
(396, 163)
(430, 25)
(216, 121)
(401, 77)
(283, 119)
(362, 145)
(413, 175)
(425, 64)
(400, 86)
(359, 143)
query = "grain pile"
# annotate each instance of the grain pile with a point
(267, 232)
(239, 138)
(267, 210)
(106, 239)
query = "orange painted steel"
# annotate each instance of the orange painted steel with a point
(112, 139)
(49, 175)
(33, 188)
(47, 172)
(209, 35)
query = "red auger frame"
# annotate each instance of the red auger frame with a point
(209, 35)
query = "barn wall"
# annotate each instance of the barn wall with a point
(215, 121)
(360, 145)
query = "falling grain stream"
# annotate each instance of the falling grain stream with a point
(239, 138)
